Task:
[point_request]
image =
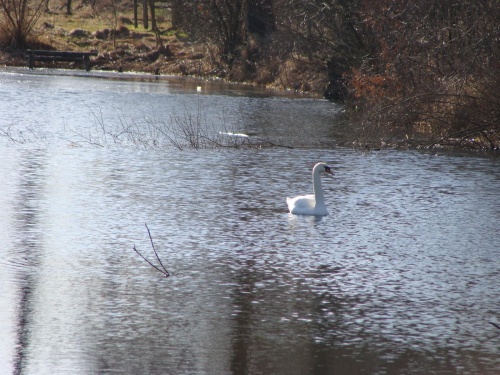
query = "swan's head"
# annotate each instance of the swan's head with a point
(322, 168)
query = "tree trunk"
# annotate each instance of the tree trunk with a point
(145, 19)
(18, 40)
(176, 14)
(153, 16)
(261, 18)
(135, 14)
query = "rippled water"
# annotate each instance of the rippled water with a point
(403, 276)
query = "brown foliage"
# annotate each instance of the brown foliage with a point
(432, 74)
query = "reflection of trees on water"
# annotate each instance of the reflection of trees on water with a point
(243, 321)
(27, 252)
(306, 324)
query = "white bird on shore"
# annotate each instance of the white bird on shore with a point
(311, 204)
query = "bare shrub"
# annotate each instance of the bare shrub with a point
(17, 20)
(22, 135)
(181, 130)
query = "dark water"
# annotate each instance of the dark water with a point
(403, 276)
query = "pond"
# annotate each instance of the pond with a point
(402, 277)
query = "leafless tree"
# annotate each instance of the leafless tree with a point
(18, 20)
(225, 23)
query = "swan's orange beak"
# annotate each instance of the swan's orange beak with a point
(328, 170)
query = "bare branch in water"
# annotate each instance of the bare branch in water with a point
(495, 325)
(157, 257)
(22, 135)
(164, 272)
(188, 129)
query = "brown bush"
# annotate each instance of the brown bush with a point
(433, 74)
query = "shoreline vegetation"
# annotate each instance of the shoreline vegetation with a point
(420, 75)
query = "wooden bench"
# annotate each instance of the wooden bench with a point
(84, 57)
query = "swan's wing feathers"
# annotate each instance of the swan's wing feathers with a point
(301, 204)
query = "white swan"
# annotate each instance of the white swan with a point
(312, 204)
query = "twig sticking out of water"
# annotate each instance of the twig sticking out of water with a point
(495, 325)
(164, 272)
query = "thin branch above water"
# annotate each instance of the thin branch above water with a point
(164, 271)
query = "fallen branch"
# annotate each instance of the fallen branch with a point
(164, 272)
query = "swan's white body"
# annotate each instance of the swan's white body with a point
(311, 204)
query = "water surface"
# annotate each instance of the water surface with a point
(401, 277)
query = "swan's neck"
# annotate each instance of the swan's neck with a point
(318, 190)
